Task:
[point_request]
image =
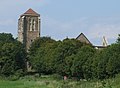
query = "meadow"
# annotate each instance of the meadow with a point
(52, 82)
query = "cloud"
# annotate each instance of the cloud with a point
(60, 29)
(8, 26)
(110, 31)
(14, 6)
(97, 31)
(7, 22)
(52, 25)
(93, 28)
(10, 10)
(109, 27)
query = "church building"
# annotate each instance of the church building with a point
(82, 38)
(29, 30)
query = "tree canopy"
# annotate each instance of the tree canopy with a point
(72, 58)
(118, 40)
(12, 55)
(69, 58)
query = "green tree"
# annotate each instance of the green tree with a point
(52, 56)
(6, 38)
(106, 62)
(66, 48)
(113, 65)
(82, 63)
(12, 55)
(99, 64)
(68, 65)
(118, 40)
(40, 54)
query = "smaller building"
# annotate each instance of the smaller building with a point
(82, 38)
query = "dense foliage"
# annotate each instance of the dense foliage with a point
(72, 58)
(69, 58)
(12, 55)
(118, 40)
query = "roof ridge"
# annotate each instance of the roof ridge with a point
(30, 11)
(84, 37)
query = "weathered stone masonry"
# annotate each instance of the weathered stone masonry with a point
(28, 27)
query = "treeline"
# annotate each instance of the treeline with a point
(72, 58)
(12, 56)
(69, 58)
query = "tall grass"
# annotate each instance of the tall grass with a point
(57, 82)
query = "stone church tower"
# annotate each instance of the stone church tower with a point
(28, 27)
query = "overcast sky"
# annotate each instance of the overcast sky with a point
(66, 18)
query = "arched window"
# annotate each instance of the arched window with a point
(30, 24)
(34, 26)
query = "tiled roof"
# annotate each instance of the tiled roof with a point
(31, 12)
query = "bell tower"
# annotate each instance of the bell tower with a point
(28, 27)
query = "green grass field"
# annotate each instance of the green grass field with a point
(50, 82)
